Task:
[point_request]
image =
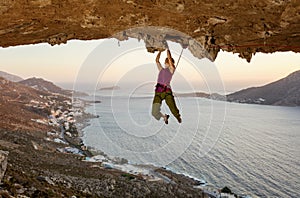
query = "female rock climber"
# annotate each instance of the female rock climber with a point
(163, 89)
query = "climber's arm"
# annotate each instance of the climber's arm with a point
(172, 66)
(159, 67)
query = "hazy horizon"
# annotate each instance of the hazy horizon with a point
(61, 64)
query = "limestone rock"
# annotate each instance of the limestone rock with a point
(243, 27)
(3, 163)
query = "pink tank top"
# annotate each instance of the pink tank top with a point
(164, 77)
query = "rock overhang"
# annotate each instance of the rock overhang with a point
(243, 27)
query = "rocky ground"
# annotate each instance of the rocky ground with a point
(36, 169)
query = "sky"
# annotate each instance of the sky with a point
(128, 61)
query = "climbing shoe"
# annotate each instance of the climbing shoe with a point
(179, 119)
(166, 118)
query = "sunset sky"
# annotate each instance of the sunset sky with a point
(61, 64)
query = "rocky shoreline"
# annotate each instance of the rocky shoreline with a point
(55, 164)
(147, 172)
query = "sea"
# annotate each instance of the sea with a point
(252, 149)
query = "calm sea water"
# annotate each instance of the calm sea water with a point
(251, 149)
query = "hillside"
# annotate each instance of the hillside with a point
(20, 105)
(10, 77)
(15, 104)
(43, 85)
(285, 92)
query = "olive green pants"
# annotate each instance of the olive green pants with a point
(158, 98)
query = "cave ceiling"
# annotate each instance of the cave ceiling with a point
(239, 26)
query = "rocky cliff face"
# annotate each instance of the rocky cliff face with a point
(243, 27)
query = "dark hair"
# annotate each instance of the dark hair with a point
(171, 59)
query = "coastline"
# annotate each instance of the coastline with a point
(146, 171)
(54, 163)
(152, 172)
(122, 164)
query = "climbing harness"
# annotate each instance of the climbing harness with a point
(162, 88)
